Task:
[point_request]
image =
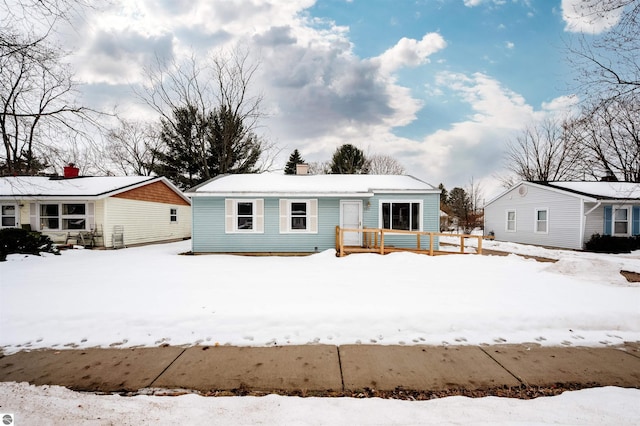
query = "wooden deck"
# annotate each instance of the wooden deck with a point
(373, 242)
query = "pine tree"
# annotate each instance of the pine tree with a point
(182, 140)
(294, 159)
(348, 160)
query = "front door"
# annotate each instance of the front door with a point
(351, 217)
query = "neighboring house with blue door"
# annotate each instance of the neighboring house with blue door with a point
(277, 213)
(563, 214)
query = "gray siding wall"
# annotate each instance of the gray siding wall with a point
(594, 221)
(564, 212)
(209, 225)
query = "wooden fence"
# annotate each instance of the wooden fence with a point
(373, 241)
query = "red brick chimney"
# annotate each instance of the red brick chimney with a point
(71, 171)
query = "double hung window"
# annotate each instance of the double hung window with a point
(8, 216)
(244, 215)
(511, 221)
(542, 221)
(621, 221)
(298, 216)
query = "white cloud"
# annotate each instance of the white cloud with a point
(510, 45)
(585, 16)
(410, 52)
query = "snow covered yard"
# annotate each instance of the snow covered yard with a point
(150, 296)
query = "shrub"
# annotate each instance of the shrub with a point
(608, 244)
(16, 240)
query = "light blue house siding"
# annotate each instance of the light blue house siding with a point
(209, 235)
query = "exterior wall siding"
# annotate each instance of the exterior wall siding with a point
(564, 218)
(209, 226)
(143, 221)
(157, 192)
(594, 221)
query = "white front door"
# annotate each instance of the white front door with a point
(351, 217)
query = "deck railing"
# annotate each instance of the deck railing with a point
(373, 241)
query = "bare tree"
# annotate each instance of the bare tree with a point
(544, 152)
(379, 164)
(609, 138)
(132, 147)
(37, 103)
(319, 167)
(38, 96)
(218, 92)
(609, 64)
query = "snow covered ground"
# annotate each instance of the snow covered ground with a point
(53, 405)
(150, 295)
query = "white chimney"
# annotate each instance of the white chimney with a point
(302, 169)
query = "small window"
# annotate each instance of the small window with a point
(299, 216)
(244, 217)
(542, 221)
(8, 215)
(621, 221)
(511, 221)
(173, 215)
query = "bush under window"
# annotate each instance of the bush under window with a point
(16, 240)
(610, 244)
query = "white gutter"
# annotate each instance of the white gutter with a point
(591, 210)
(583, 228)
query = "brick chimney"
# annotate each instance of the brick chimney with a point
(71, 171)
(302, 169)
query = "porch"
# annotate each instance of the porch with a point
(373, 241)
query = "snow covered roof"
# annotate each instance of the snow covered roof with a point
(94, 186)
(601, 190)
(588, 191)
(278, 183)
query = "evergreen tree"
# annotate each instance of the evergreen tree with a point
(182, 141)
(444, 196)
(294, 159)
(348, 160)
(232, 148)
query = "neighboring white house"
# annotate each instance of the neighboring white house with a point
(563, 214)
(136, 209)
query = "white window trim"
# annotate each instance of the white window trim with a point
(515, 221)
(535, 220)
(629, 221)
(286, 216)
(61, 217)
(413, 201)
(231, 216)
(172, 215)
(16, 215)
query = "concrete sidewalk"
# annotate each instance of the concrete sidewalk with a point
(322, 369)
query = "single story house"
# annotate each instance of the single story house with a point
(563, 214)
(102, 211)
(277, 213)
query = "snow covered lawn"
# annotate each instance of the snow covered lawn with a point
(151, 295)
(53, 405)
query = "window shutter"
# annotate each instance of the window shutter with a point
(228, 216)
(284, 215)
(33, 216)
(607, 220)
(635, 226)
(91, 216)
(259, 215)
(313, 216)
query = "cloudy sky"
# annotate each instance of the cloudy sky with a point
(440, 85)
